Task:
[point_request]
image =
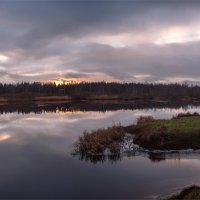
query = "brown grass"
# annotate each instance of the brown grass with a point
(149, 136)
(144, 120)
(98, 141)
(188, 114)
(190, 193)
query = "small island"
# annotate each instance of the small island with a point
(182, 132)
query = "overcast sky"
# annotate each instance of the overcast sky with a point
(91, 40)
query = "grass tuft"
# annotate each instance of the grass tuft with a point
(98, 141)
(188, 114)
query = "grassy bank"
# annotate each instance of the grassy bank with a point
(180, 132)
(190, 193)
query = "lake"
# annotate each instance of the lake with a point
(36, 146)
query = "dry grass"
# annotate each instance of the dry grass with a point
(144, 120)
(190, 193)
(188, 114)
(98, 141)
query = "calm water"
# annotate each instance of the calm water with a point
(36, 147)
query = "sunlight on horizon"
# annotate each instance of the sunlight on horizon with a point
(4, 137)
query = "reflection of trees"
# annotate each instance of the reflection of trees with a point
(117, 157)
(93, 106)
(99, 158)
(156, 157)
(153, 157)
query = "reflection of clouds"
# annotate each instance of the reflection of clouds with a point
(67, 127)
(4, 137)
(34, 150)
(69, 116)
(91, 115)
(190, 162)
(2, 126)
(8, 117)
(165, 113)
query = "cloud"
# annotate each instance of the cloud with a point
(99, 40)
(145, 62)
(33, 25)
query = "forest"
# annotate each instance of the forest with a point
(104, 90)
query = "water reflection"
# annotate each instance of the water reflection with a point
(117, 157)
(99, 158)
(36, 159)
(153, 157)
(100, 106)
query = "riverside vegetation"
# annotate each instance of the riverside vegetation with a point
(180, 132)
(98, 141)
(192, 192)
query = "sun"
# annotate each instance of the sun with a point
(63, 81)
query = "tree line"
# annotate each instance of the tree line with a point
(96, 89)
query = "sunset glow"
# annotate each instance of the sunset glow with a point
(4, 137)
(62, 81)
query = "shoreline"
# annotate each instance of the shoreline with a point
(35, 98)
(186, 193)
(181, 134)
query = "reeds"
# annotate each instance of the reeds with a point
(97, 142)
(188, 114)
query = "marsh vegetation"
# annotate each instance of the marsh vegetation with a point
(97, 142)
(178, 133)
(190, 193)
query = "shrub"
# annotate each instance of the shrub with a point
(145, 120)
(188, 114)
(98, 141)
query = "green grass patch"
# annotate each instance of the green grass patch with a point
(176, 133)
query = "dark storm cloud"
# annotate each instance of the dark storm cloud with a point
(45, 36)
(36, 23)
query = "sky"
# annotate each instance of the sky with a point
(100, 40)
